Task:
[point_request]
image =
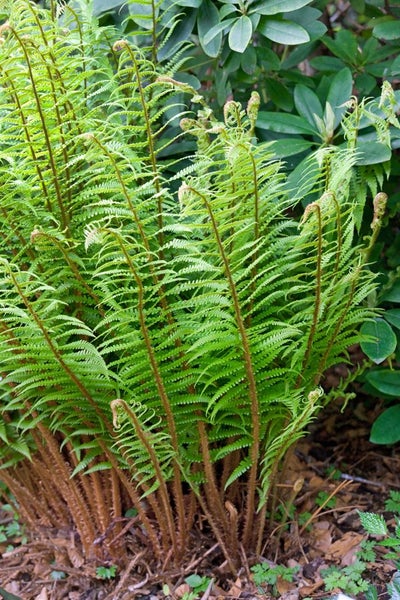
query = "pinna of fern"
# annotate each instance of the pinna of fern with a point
(165, 349)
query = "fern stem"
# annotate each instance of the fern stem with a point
(37, 234)
(154, 44)
(144, 438)
(55, 351)
(159, 384)
(136, 500)
(213, 496)
(51, 77)
(26, 130)
(54, 170)
(219, 537)
(151, 147)
(314, 207)
(251, 381)
(70, 491)
(380, 201)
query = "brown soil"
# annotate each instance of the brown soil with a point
(337, 442)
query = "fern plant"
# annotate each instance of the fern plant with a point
(160, 349)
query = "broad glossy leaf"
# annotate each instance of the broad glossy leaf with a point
(385, 341)
(283, 32)
(273, 7)
(372, 153)
(297, 55)
(395, 66)
(208, 17)
(284, 123)
(226, 10)
(279, 94)
(385, 381)
(344, 46)
(308, 17)
(393, 316)
(268, 59)
(142, 13)
(240, 34)
(301, 180)
(289, 147)
(392, 295)
(358, 5)
(330, 64)
(339, 92)
(307, 103)
(249, 60)
(386, 429)
(189, 3)
(365, 83)
(388, 30)
(180, 34)
(102, 6)
(217, 29)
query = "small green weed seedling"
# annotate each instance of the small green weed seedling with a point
(12, 531)
(349, 579)
(265, 575)
(58, 575)
(353, 578)
(106, 572)
(325, 500)
(198, 585)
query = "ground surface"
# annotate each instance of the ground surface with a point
(332, 536)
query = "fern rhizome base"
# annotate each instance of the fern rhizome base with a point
(164, 324)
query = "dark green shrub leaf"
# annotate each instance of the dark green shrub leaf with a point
(283, 32)
(327, 64)
(297, 55)
(371, 153)
(307, 103)
(386, 429)
(189, 3)
(240, 34)
(217, 29)
(300, 179)
(365, 83)
(393, 295)
(249, 60)
(284, 123)
(308, 17)
(345, 46)
(393, 316)
(279, 94)
(290, 147)
(395, 66)
(385, 381)
(142, 13)
(388, 30)
(273, 7)
(180, 35)
(385, 340)
(268, 59)
(358, 5)
(101, 7)
(207, 18)
(339, 92)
